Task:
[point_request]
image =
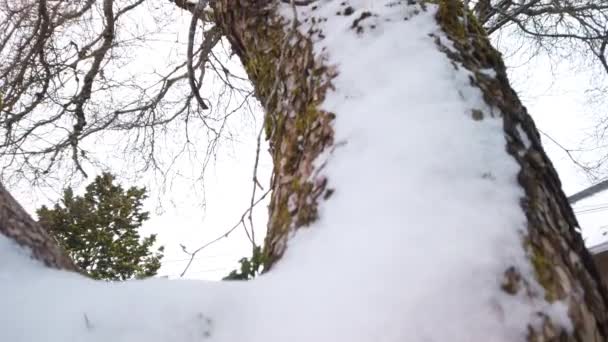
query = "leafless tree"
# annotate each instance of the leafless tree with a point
(63, 76)
(574, 30)
(554, 25)
(64, 81)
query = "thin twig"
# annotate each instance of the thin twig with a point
(568, 152)
(191, 35)
(224, 235)
(256, 182)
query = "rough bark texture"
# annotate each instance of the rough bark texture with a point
(291, 82)
(563, 265)
(16, 224)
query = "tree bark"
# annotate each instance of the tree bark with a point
(291, 81)
(16, 224)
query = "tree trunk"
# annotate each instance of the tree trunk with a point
(291, 83)
(292, 79)
(17, 225)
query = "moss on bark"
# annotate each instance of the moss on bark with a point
(290, 81)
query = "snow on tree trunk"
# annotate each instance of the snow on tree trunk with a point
(412, 200)
(294, 71)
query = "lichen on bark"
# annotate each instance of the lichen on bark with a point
(290, 81)
(562, 265)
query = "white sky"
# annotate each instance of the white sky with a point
(557, 105)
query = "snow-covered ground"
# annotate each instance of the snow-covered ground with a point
(412, 246)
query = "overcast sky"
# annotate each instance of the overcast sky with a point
(193, 215)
